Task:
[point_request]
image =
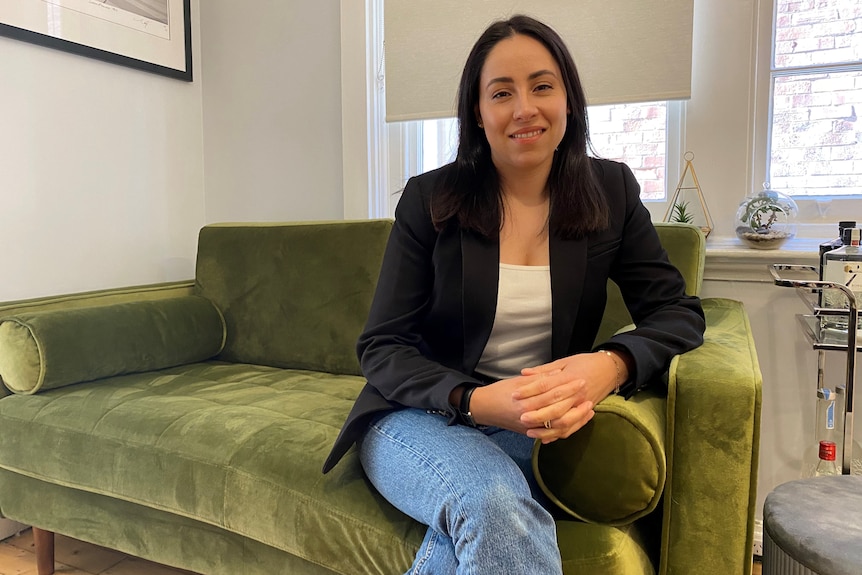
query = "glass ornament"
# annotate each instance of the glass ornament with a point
(766, 219)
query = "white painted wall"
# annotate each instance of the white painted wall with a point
(103, 166)
(718, 124)
(101, 172)
(272, 110)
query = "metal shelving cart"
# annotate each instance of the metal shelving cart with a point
(824, 340)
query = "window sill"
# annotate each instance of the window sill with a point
(728, 259)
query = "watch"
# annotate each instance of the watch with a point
(464, 406)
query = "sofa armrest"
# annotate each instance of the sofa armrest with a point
(149, 292)
(714, 402)
(42, 350)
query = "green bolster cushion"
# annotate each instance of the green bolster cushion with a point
(51, 349)
(612, 471)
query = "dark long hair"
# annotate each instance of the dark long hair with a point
(472, 194)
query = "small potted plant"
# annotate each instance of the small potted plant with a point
(681, 214)
(766, 220)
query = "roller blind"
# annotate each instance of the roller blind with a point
(625, 50)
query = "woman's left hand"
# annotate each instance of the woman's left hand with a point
(601, 372)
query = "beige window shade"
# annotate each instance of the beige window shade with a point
(625, 50)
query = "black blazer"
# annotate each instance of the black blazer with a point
(436, 297)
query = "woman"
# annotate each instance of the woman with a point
(491, 293)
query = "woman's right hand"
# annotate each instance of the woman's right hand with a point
(495, 404)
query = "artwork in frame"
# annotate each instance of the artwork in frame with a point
(150, 35)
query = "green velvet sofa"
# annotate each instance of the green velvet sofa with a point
(187, 423)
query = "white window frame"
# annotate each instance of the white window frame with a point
(818, 216)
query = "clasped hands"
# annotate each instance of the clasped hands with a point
(563, 393)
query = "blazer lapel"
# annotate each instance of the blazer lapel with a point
(480, 271)
(568, 267)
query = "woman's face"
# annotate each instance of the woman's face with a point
(522, 105)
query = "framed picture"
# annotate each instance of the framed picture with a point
(150, 35)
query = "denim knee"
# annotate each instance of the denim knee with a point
(509, 505)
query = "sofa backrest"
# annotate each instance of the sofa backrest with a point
(293, 295)
(296, 295)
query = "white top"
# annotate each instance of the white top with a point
(521, 336)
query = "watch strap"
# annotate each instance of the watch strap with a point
(464, 406)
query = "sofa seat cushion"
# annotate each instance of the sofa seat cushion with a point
(233, 445)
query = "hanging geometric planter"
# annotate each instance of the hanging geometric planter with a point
(687, 205)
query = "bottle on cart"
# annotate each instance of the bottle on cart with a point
(842, 265)
(829, 426)
(827, 465)
(836, 243)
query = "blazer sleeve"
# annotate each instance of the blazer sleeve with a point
(667, 322)
(391, 347)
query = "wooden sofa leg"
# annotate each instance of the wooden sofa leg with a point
(44, 541)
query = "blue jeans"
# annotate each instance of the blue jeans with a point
(471, 487)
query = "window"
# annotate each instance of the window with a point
(816, 94)
(646, 136)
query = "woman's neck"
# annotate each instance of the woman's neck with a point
(528, 189)
(524, 228)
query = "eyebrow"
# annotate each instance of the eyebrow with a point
(533, 76)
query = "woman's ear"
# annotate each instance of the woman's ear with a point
(478, 117)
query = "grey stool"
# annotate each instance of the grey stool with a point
(814, 526)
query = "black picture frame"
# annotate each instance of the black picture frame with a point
(130, 33)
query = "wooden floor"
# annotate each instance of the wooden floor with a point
(75, 557)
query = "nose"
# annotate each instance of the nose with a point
(525, 109)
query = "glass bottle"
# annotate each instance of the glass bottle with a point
(836, 434)
(829, 426)
(827, 423)
(827, 465)
(834, 243)
(842, 265)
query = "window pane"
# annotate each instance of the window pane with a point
(635, 134)
(439, 143)
(816, 136)
(813, 32)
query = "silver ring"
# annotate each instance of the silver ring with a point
(548, 424)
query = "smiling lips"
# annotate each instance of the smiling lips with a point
(528, 134)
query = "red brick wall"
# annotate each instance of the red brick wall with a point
(816, 135)
(634, 134)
